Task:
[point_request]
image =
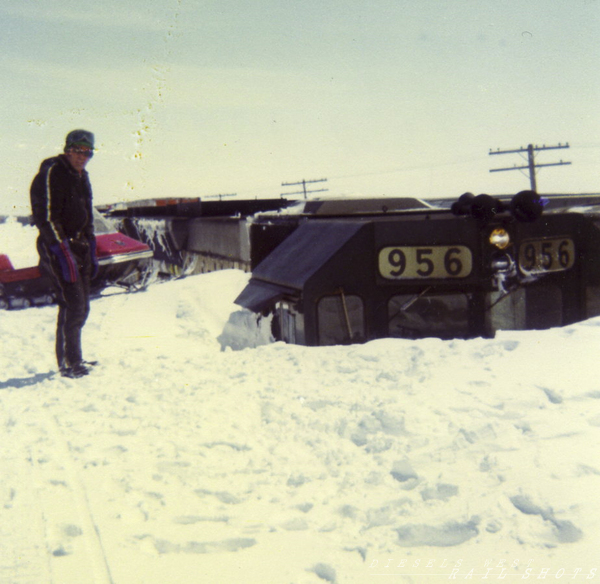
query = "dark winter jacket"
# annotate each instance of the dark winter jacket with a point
(61, 202)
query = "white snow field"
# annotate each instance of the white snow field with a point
(199, 452)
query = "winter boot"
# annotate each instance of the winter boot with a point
(78, 370)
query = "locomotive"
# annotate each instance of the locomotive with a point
(346, 271)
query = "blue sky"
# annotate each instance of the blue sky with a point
(385, 97)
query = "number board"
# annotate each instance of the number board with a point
(425, 262)
(537, 256)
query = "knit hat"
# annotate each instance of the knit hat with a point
(79, 138)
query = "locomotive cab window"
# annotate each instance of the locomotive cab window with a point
(534, 307)
(412, 316)
(341, 319)
(506, 312)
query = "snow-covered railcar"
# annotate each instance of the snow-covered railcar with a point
(191, 236)
(336, 274)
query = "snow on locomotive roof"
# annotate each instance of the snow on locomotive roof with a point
(355, 206)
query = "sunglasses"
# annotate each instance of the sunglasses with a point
(89, 152)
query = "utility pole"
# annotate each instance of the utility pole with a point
(531, 164)
(304, 183)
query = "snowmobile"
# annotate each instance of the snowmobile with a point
(123, 261)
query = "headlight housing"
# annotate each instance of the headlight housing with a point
(499, 238)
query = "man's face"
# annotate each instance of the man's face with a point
(78, 156)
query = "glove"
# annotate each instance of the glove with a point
(68, 265)
(94, 257)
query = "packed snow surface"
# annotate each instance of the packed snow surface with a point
(198, 450)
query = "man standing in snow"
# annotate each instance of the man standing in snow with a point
(61, 203)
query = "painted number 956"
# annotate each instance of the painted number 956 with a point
(546, 255)
(420, 262)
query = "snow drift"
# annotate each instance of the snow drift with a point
(199, 451)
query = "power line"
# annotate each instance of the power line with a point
(531, 164)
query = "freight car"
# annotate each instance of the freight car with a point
(190, 236)
(350, 271)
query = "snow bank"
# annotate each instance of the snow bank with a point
(182, 460)
(18, 243)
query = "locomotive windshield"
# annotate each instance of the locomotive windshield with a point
(417, 316)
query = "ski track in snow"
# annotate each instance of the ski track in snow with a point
(177, 461)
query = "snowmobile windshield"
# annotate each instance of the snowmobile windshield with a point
(101, 225)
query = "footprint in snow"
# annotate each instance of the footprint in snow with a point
(564, 531)
(164, 546)
(325, 572)
(449, 534)
(441, 492)
(552, 395)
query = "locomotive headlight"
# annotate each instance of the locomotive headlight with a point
(499, 238)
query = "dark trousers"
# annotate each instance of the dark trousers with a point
(73, 300)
